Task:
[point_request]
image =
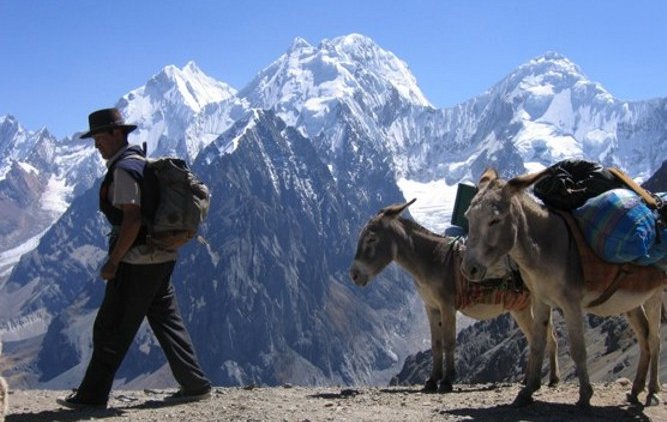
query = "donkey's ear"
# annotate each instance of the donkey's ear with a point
(520, 183)
(397, 209)
(488, 176)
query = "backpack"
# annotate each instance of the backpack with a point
(174, 203)
(570, 183)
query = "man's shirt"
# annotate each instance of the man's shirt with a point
(125, 190)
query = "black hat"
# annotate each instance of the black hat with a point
(106, 119)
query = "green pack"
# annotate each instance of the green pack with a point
(464, 195)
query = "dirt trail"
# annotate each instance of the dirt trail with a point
(477, 403)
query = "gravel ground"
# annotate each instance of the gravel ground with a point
(477, 403)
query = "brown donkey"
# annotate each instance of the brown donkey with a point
(434, 262)
(504, 220)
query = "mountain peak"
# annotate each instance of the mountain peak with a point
(188, 86)
(9, 127)
(192, 67)
(298, 43)
(352, 40)
(554, 62)
(170, 98)
(554, 55)
(229, 141)
(196, 87)
(545, 75)
(8, 119)
(367, 54)
(341, 69)
(43, 132)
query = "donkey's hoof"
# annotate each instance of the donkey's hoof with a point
(584, 405)
(632, 398)
(523, 400)
(430, 386)
(445, 387)
(585, 394)
(652, 400)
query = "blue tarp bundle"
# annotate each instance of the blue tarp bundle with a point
(620, 228)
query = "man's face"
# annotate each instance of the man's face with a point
(109, 142)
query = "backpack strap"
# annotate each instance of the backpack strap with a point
(132, 162)
(645, 195)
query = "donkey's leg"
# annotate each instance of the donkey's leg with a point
(434, 322)
(448, 330)
(653, 309)
(552, 348)
(574, 319)
(524, 319)
(640, 325)
(541, 313)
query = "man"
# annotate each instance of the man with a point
(138, 278)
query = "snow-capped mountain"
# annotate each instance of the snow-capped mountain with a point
(18, 144)
(306, 82)
(167, 106)
(39, 176)
(309, 87)
(297, 160)
(541, 113)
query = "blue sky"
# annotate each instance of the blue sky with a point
(62, 59)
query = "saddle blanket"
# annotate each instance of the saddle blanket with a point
(499, 291)
(472, 293)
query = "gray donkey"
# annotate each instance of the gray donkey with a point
(504, 220)
(434, 262)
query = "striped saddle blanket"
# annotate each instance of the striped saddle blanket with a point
(508, 290)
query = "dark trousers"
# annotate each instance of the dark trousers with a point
(139, 291)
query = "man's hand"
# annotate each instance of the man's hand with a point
(129, 228)
(108, 270)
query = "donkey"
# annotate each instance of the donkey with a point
(504, 220)
(424, 254)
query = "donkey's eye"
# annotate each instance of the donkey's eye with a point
(494, 222)
(371, 240)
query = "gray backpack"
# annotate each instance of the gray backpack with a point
(174, 203)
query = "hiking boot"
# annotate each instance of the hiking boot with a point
(73, 401)
(185, 396)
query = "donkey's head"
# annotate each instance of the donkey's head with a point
(493, 220)
(377, 245)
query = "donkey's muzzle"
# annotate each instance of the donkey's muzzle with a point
(472, 270)
(358, 277)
